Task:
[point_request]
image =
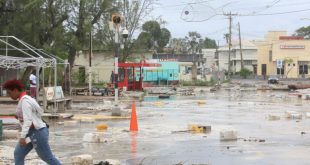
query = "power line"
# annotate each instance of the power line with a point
(278, 13)
(292, 4)
(217, 31)
(264, 7)
(182, 4)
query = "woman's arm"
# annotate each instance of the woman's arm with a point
(27, 117)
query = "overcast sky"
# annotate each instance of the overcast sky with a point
(256, 17)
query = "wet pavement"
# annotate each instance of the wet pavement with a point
(162, 138)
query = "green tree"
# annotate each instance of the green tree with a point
(153, 29)
(153, 36)
(134, 12)
(245, 72)
(144, 41)
(165, 36)
(85, 16)
(303, 31)
(178, 45)
(194, 42)
(39, 23)
(209, 43)
(226, 37)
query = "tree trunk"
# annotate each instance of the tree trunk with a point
(25, 76)
(71, 58)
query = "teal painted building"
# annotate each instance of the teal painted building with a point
(164, 75)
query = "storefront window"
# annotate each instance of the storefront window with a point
(303, 69)
(280, 71)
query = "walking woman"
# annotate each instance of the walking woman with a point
(28, 112)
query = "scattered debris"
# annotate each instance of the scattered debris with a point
(307, 114)
(102, 127)
(200, 102)
(293, 115)
(228, 135)
(194, 128)
(96, 137)
(81, 160)
(253, 140)
(164, 96)
(273, 117)
(66, 116)
(158, 104)
(70, 123)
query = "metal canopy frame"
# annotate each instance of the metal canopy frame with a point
(17, 54)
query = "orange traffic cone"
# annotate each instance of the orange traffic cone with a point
(133, 119)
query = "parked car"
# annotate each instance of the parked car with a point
(273, 79)
(99, 91)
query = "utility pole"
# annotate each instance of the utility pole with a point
(217, 54)
(229, 42)
(240, 46)
(218, 63)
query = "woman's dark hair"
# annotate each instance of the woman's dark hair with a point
(14, 84)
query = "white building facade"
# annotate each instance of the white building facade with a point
(249, 56)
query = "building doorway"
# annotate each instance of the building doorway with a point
(280, 71)
(264, 70)
(254, 69)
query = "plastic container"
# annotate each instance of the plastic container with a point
(228, 135)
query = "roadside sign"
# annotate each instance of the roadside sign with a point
(279, 63)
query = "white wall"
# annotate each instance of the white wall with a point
(209, 55)
(102, 66)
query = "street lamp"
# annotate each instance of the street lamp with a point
(124, 42)
(116, 20)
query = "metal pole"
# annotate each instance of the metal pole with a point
(43, 84)
(69, 69)
(37, 81)
(116, 65)
(6, 47)
(55, 85)
(240, 45)
(229, 45)
(44, 94)
(89, 70)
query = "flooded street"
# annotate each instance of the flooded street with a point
(163, 137)
(159, 142)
